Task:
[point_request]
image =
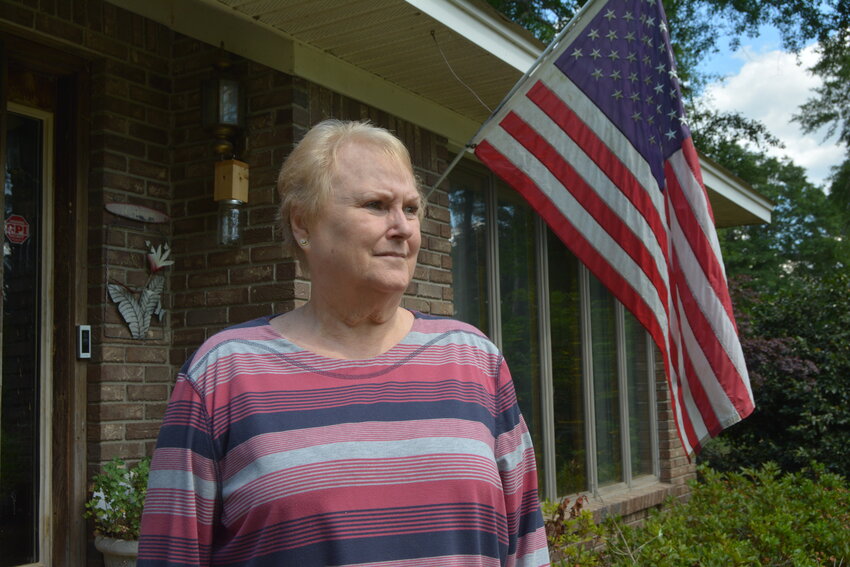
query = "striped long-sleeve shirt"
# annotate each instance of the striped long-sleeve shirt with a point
(271, 455)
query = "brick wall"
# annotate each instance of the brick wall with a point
(128, 379)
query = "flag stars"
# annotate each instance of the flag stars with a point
(628, 17)
(635, 97)
(660, 68)
(670, 134)
(663, 27)
(650, 21)
(576, 53)
(614, 55)
(637, 117)
(630, 36)
(618, 94)
(646, 40)
(631, 57)
(609, 15)
(659, 88)
(672, 115)
(615, 74)
(611, 35)
(597, 74)
(647, 60)
(633, 77)
(594, 34)
(596, 54)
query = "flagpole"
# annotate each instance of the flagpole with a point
(575, 19)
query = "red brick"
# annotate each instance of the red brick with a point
(115, 412)
(106, 432)
(208, 279)
(105, 393)
(155, 411)
(198, 317)
(242, 313)
(104, 353)
(121, 373)
(147, 392)
(142, 430)
(252, 274)
(260, 254)
(227, 296)
(147, 354)
(107, 451)
(229, 257)
(272, 292)
(159, 374)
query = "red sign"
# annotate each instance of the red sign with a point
(17, 229)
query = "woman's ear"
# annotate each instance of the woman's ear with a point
(298, 226)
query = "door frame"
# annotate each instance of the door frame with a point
(67, 536)
(45, 323)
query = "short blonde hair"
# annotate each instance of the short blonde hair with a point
(306, 177)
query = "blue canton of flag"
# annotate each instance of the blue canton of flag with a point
(623, 61)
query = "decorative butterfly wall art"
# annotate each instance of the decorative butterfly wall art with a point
(137, 307)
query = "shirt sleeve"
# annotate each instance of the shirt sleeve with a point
(515, 457)
(183, 498)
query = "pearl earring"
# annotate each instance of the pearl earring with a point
(303, 242)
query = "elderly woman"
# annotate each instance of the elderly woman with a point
(349, 431)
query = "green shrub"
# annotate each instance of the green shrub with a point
(756, 517)
(572, 534)
(117, 499)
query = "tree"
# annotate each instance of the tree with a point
(797, 345)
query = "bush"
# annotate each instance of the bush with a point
(117, 499)
(753, 517)
(572, 535)
(796, 343)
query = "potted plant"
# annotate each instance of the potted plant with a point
(116, 503)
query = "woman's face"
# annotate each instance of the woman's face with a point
(367, 234)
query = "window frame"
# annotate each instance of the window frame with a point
(490, 187)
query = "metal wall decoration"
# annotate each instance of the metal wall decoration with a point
(137, 307)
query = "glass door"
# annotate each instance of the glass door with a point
(26, 338)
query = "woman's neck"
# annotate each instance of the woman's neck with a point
(359, 331)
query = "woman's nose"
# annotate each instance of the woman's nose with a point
(401, 225)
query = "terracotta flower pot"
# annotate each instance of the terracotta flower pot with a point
(117, 552)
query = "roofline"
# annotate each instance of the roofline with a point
(733, 188)
(486, 27)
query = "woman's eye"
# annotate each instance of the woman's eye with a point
(374, 205)
(412, 210)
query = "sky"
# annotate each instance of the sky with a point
(765, 83)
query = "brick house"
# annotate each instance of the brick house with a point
(106, 156)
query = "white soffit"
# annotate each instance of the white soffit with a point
(382, 52)
(733, 201)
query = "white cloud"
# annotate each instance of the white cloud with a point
(769, 87)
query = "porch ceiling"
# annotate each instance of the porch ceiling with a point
(426, 61)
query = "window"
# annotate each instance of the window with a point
(582, 365)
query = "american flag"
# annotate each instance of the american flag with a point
(596, 140)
